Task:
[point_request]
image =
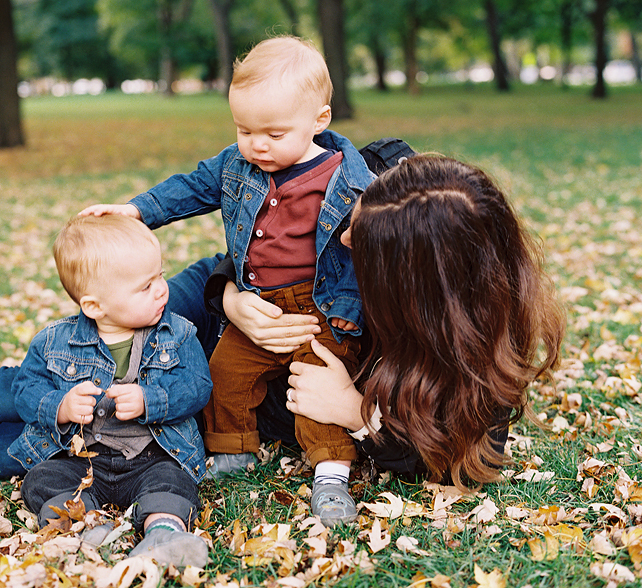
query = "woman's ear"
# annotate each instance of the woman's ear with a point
(90, 307)
(323, 120)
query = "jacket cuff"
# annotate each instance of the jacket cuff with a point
(150, 212)
(215, 286)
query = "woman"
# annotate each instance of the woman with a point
(457, 304)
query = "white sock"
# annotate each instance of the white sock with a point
(330, 472)
(164, 523)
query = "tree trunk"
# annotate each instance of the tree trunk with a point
(635, 57)
(331, 23)
(10, 125)
(380, 62)
(166, 67)
(221, 9)
(494, 35)
(566, 37)
(598, 18)
(410, 53)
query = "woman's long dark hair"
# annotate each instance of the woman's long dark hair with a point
(461, 313)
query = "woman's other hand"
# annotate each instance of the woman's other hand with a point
(325, 394)
(265, 324)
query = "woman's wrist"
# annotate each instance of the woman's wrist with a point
(374, 424)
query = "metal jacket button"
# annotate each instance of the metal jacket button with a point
(164, 357)
(71, 370)
(325, 307)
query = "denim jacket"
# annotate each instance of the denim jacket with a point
(173, 374)
(229, 182)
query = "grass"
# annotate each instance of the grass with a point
(572, 166)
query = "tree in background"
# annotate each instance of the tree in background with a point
(10, 125)
(597, 12)
(331, 24)
(148, 34)
(630, 13)
(221, 10)
(493, 26)
(369, 23)
(62, 38)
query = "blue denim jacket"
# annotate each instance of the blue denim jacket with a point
(173, 374)
(229, 182)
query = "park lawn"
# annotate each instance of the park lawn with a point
(570, 510)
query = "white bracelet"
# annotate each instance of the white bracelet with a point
(375, 424)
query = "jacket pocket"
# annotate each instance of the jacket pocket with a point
(70, 369)
(233, 190)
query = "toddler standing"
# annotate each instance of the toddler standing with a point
(286, 190)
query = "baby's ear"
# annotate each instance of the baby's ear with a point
(90, 307)
(323, 120)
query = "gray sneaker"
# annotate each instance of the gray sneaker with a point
(229, 463)
(172, 547)
(94, 537)
(333, 504)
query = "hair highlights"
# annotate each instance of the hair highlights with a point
(459, 308)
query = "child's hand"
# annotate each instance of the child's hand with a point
(101, 209)
(78, 404)
(130, 402)
(339, 323)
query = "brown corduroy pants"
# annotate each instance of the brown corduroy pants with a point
(240, 371)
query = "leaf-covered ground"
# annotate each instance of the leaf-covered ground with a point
(570, 510)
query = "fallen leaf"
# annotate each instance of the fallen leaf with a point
(612, 572)
(377, 538)
(484, 512)
(546, 549)
(492, 579)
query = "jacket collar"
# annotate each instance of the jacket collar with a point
(354, 167)
(86, 331)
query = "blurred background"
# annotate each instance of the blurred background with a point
(63, 47)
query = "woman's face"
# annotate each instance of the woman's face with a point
(346, 236)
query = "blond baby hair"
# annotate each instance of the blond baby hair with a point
(288, 58)
(87, 247)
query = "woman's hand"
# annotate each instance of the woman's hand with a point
(265, 324)
(325, 394)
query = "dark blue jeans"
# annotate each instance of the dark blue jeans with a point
(152, 481)
(186, 289)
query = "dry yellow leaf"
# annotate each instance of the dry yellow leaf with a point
(440, 581)
(493, 579)
(568, 536)
(546, 549)
(632, 539)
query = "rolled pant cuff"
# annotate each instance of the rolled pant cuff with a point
(232, 442)
(164, 502)
(337, 453)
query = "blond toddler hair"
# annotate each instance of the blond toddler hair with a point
(88, 246)
(286, 59)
